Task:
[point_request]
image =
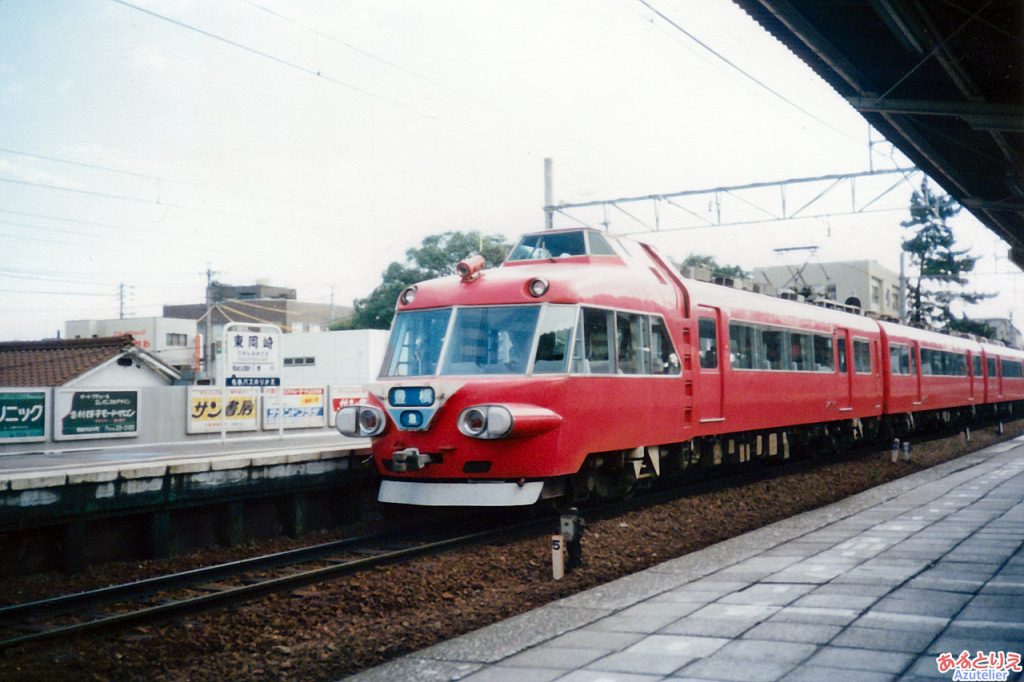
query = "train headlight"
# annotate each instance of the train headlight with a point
(408, 295)
(360, 421)
(537, 287)
(486, 421)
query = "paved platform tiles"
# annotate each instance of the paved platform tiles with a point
(874, 587)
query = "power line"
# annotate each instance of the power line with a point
(273, 58)
(740, 70)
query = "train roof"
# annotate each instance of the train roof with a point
(929, 337)
(1004, 351)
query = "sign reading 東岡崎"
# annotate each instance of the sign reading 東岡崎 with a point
(252, 355)
(96, 413)
(211, 408)
(23, 415)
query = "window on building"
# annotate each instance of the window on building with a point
(300, 362)
(177, 339)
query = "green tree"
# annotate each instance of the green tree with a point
(435, 257)
(941, 269)
(698, 260)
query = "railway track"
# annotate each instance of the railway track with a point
(219, 586)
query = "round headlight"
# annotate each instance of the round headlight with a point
(473, 421)
(537, 287)
(369, 420)
(408, 295)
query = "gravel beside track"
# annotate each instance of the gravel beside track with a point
(329, 630)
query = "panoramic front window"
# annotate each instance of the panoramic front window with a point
(553, 245)
(491, 340)
(415, 344)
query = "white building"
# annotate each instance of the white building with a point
(865, 284)
(339, 358)
(173, 341)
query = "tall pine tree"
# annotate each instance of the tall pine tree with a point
(941, 269)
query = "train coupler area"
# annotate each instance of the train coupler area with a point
(411, 459)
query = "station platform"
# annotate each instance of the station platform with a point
(879, 586)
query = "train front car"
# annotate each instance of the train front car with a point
(548, 376)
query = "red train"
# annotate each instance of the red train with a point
(585, 365)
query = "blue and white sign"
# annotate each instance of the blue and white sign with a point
(252, 355)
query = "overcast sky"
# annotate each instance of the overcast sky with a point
(308, 144)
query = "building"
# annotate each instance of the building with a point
(1005, 331)
(865, 284)
(339, 358)
(104, 362)
(255, 304)
(174, 341)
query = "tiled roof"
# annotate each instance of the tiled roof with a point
(54, 362)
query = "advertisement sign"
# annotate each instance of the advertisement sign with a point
(302, 407)
(96, 413)
(253, 355)
(23, 415)
(208, 407)
(345, 395)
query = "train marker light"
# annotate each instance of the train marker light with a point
(537, 287)
(486, 421)
(408, 295)
(469, 268)
(360, 421)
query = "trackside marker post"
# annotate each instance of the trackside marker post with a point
(557, 557)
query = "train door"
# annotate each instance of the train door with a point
(915, 354)
(845, 365)
(710, 391)
(974, 362)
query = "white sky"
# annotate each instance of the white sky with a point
(426, 116)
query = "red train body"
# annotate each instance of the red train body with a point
(585, 365)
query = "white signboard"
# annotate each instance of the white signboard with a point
(345, 395)
(252, 355)
(302, 407)
(236, 409)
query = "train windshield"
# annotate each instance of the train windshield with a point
(482, 340)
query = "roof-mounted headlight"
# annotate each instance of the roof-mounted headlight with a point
(486, 421)
(360, 421)
(408, 295)
(538, 286)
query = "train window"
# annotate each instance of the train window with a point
(899, 359)
(599, 246)
(775, 356)
(1012, 369)
(708, 336)
(633, 342)
(841, 348)
(861, 356)
(415, 344)
(742, 345)
(927, 362)
(824, 357)
(991, 367)
(977, 365)
(549, 245)
(552, 356)
(593, 342)
(663, 355)
(801, 352)
(491, 340)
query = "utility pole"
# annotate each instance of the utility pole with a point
(120, 296)
(549, 195)
(208, 341)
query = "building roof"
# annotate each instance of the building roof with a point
(55, 362)
(941, 80)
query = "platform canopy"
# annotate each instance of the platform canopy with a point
(943, 80)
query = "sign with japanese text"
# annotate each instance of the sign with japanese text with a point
(96, 413)
(345, 395)
(253, 355)
(302, 407)
(23, 415)
(208, 407)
